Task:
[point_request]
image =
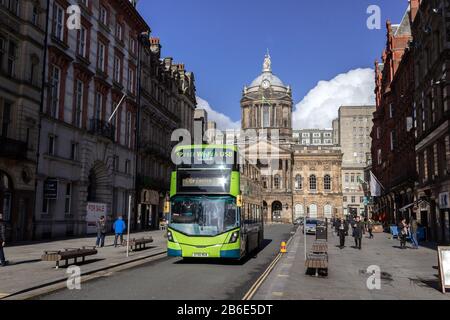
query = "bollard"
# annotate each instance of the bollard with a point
(283, 247)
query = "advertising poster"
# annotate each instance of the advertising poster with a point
(93, 213)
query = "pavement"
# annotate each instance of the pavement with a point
(405, 274)
(27, 272)
(176, 279)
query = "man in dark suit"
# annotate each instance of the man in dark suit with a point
(342, 229)
(358, 230)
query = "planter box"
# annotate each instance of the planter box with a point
(378, 229)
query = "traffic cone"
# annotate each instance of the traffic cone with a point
(283, 247)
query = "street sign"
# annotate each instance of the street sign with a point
(239, 201)
(444, 267)
(51, 189)
(444, 200)
(167, 207)
(366, 201)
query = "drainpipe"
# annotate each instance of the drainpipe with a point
(41, 111)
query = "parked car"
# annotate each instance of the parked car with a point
(310, 226)
(298, 221)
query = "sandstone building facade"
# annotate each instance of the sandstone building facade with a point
(297, 180)
(22, 33)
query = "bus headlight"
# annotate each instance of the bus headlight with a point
(234, 237)
(169, 236)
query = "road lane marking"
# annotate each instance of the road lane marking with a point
(249, 295)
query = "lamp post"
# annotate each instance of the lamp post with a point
(305, 211)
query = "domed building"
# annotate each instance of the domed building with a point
(267, 104)
(296, 180)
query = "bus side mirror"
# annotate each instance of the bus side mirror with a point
(239, 201)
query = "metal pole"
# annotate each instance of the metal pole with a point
(304, 224)
(129, 225)
(115, 110)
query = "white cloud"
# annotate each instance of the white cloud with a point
(320, 106)
(223, 122)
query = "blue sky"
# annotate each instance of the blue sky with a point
(224, 41)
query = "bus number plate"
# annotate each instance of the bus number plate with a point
(200, 255)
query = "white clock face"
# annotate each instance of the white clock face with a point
(265, 84)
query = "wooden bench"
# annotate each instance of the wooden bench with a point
(68, 254)
(139, 244)
(317, 262)
(320, 247)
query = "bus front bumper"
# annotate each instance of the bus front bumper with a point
(204, 247)
(218, 251)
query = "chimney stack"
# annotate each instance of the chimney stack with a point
(155, 46)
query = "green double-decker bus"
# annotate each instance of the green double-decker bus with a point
(209, 217)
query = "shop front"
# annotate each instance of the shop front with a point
(17, 209)
(149, 210)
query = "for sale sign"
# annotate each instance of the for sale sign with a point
(93, 213)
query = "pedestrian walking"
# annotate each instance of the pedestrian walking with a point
(413, 227)
(370, 228)
(2, 241)
(358, 230)
(119, 227)
(402, 233)
(101, 232)
(336, 224)
(342, 227)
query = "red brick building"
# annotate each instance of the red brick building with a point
(431, 33)
(393, 153)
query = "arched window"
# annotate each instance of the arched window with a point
(313, 211)
(298, 182)
(327, 211)
(277, 182)
(312, 182)
(298, 211)
(327, 182)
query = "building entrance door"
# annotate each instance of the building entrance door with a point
(6, 192)
(276, 211)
